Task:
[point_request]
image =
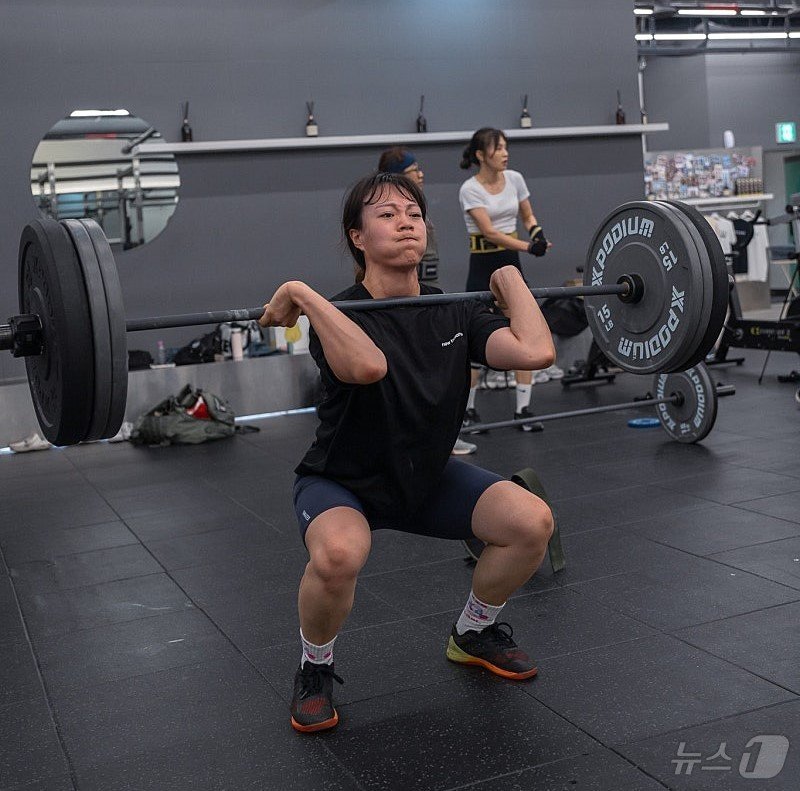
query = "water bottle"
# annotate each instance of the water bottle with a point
(237, 351)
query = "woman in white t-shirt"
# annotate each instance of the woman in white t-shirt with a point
(493, 201)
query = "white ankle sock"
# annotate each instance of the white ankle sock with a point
(523, 396)
(471, 400)
(316, 654)
(477, 615)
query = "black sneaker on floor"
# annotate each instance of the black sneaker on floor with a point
(312, 703)
(493, 649)
(471, 418)
(526, 413)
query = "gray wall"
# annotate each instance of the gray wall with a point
(246, 222)
(703, 95)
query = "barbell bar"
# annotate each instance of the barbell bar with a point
(665, 269)
(687, 414)
(624, 289)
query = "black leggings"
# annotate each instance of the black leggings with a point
(481, 266)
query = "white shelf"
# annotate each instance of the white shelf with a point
(353, 141)
(754, 198)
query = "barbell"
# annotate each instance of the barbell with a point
(655, 289)
(685, 402)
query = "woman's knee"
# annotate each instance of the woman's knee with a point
(532, 526)
(339, 552)
(512, 516)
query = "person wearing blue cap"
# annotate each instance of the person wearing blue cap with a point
(400, 160)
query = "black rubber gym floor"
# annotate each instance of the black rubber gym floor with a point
(148, 630)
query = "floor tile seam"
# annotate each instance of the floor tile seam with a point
(54, 720)
(339, 762)
(754, 466)
(54, 635)
(237, 503)
(768, 496)
(710, 555)
(706, 500)
(605, 747)
(702, 724)
(623, 533)
(595, 648)
(556, 501)
(740, 507)
(180, 535)
(704, 503)
(28, 528)
(122, 519)
(46, 592)
(66, 689)
(732, 663)
(758, 543)
(226, 637)
(741, 570)
(51, 558)
(374, 574)
(345, 631)
(672, 631)
(516, 772)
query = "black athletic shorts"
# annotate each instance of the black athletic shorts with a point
(447, 513)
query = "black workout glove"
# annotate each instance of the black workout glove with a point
(538, 245)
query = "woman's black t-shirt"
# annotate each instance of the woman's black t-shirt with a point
(388, 442)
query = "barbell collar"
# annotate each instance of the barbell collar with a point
(247, 314)
(22, 336)
(6, 337)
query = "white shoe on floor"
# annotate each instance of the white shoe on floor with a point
(33, 442)
(554, 372)
(123, 434)
(540, 377)
(462, 448)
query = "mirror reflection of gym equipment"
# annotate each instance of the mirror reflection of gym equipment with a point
(85, 167)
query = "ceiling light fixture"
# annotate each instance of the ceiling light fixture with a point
(707, 11)
(643, 11)
(680, 36)
(745, 36)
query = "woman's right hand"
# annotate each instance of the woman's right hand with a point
(282, 310)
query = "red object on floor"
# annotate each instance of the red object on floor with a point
(199, 410)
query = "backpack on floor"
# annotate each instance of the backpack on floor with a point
(189, 418)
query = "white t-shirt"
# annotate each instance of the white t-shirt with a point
(502, 208)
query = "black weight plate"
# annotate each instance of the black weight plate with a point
(691, 420)
(702, 261)
(719, 270)
(98, 316)
(117, 331)
(654, 333)
(61, 379)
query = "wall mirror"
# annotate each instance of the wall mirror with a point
(87, 166)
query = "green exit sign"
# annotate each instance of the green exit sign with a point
(786, 132)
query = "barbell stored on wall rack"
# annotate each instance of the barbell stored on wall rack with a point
(655, 291)
(685, 401)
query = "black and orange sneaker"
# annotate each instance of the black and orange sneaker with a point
(493, 649)
(312, 703)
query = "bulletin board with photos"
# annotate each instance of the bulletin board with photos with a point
(703, 173)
